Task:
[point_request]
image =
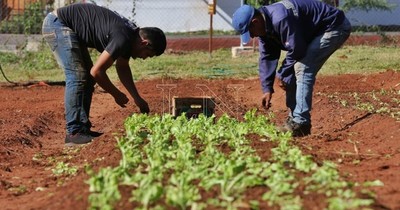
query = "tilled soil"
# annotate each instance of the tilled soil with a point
(351, 127)
(364, 144)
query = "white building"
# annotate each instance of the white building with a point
(376, 17)
(176, 15)
(192, 15)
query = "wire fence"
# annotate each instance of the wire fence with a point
(181, 18)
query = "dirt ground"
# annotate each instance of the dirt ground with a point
(365, 145)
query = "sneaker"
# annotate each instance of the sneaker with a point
(95, 133)
(298, 130)
(289, 119)
(78, 138)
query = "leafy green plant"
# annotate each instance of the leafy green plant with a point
(373, 102)
(37, 156)
(64, 169)
(33, 18)
(18, 190)
(170, 161)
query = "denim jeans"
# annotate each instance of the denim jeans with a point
(299, 92)
(74, 58)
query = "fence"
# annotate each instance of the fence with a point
(175, 17)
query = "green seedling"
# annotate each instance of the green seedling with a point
(64, 169)
(170, 161)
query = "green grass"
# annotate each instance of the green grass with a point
(362, 59)
(35, 66)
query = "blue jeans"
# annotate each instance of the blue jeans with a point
(74, 58)
(299, 92)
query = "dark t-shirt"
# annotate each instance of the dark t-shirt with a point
(100, 28)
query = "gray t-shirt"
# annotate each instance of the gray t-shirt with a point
(100, 28)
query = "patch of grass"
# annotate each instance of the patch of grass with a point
(200, 33)
(362, 59)
(41, 65)
(196, 64)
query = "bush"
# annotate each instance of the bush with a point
(30, 22)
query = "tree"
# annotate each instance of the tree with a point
(258, 3)
(332, 2)
(367, 5)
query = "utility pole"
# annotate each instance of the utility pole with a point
(212, 4)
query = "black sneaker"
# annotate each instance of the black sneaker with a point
(298, 130)
(78, 138)
(95, 133)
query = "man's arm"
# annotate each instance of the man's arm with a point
(267, 64)
(98, 72)
(125, 76)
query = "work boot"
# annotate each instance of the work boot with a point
(298, 130)
(77, 139)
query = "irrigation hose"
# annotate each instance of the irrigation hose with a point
(2, 72)
(33, 83)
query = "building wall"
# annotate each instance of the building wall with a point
(192, 15)
(176, 15)
(376, 17)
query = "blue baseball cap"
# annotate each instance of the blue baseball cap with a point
(241, 21)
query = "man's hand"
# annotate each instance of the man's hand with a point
(281, 84)
(266, 100)
(143, 105)
(125, 76)
(121, 99)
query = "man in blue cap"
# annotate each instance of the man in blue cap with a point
(310, 31)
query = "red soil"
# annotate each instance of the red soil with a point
(364, 145)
